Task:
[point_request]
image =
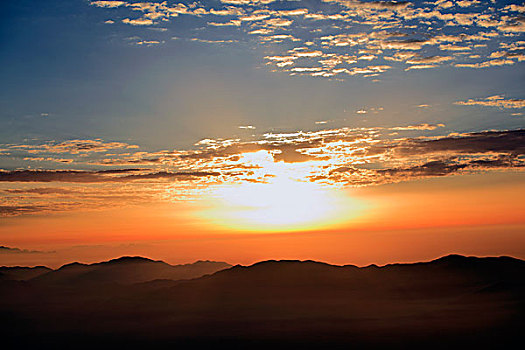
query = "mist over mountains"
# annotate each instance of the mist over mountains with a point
(137, 302)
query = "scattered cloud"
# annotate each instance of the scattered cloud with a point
(108, 4)
(331, 157)
(495, 101)
(413, 35)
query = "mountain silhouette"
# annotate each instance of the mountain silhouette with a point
(125, 270)
(21, 273)
(450, 302)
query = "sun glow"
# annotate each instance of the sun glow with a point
(285, 201)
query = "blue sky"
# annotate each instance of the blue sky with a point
(67, 74)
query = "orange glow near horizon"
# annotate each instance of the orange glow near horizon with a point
(377, 224)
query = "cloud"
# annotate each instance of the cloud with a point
(422, 34)
(232, 23)
(40, 191)
(494, 101)
(72, 176)
(486, 64)
(409, 159)
(421, 66)
(509, 142)
(333, 157)
(148, 42)
(247, 2)
(447, 167)
(393, 5)
(467, 3)
(73, 146)
(9, 250)
(452, 47)
(108, 4)
(138, 21)
(279, 22)
(429, 59)
(424, 126)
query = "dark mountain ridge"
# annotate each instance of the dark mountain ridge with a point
(448, 302)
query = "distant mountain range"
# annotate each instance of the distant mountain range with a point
(451, 302)
(125, 270)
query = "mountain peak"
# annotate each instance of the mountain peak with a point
(130, 259)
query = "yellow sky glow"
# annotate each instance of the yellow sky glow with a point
(285, 201)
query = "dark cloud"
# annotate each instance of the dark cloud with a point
(47, 207)
(9, 250)
(453, 165)
(408, 159)
(354, 176)
(288, 152)
(512, 141)
(372, 4)
(50, 176)
(93, 176)
(15, 210)
(170, 175)
(40, 190)
(74, 146)
(291, 155)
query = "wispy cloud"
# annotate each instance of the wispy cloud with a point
(73, 146)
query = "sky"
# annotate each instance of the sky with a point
(351, 132)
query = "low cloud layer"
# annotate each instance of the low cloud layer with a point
(76, 176)
(332, 157)
(10, 250)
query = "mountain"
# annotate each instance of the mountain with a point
(126, 270)
(451, 302)
(20, 273)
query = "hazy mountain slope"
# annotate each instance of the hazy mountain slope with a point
(20, 273)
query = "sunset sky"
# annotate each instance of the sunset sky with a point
(346, 131)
